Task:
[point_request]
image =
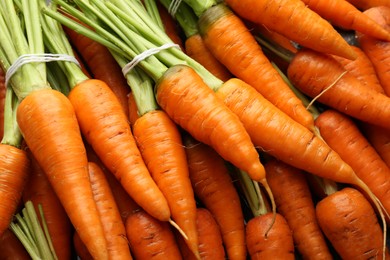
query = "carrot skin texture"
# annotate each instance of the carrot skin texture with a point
(294, 20)
(150, 238)
(55, 141)
(108, 132)
(378, 51)
(213, 186)
(379, 138)
(14, 169)
(196, 49)
(160, 144)
(343, 135)
(347, 17)
(39, 191)
(347, 95)
(277, 245)
(112, 221)
(184, 96)
(11, 248)
(294, 202)
(231, 42)
(351, 225)
(210, 239)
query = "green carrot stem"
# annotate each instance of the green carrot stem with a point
(200, 6)
(12, 135)
(151, 8)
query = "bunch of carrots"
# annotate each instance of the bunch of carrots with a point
(235, 129)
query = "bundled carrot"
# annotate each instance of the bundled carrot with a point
(11, 247)
(343, 14)
(213, 186)
(39, 191)
(350, 224)
(294, 20)
(210, 239)
(150, 238)
(377, 50)
(294, 202)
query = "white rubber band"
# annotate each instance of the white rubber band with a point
(143, 55)
(173, 6)
(29, 58)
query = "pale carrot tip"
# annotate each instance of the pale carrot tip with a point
(173, 223)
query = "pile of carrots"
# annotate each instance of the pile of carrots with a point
(262, 132)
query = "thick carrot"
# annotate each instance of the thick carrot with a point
(278, 244)
(39, 191)
(230, 41)
(379, 138)
(213, 186)
(362, 68)
(321, 76)
(351, 225)
(294, 20)
(294, 202)
(343, 135)
(343, 14)
(378, 51)
(210, 239)
(114, 228)
(366, 4)
(11, 248)
(55, 140)
(150, 238)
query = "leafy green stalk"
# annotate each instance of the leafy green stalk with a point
(152, 9)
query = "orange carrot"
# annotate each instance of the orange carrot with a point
(11, 247)
(379, 138)
(214, 187)
(294, 202)
(351, 225)
(229, 40)
(113, 226)
(278, 244)
(294, 20)
(378, 51)
(133, 110)
(366, 4)
(210, 239)
(321, 76)
(150, 238)
(342, 134)
(80, 249)
(39, 191)
(343, 14)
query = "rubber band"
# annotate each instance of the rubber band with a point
(173, 6)
(143, 55)
(29, 58)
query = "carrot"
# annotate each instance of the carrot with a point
(277, 244)
(150, 238)
(39, 190)
(350, 224)
(294, 20)
(376, 50)
(366, 4)
(342, 134)
(115, 232)
(326, 79)
(343, 14)
(362, 68)
(228, 39)
(210, 239)
(294, 202)
(213, 186)
(133, 110)
(379, 138)
(11, 248)
(80, 249)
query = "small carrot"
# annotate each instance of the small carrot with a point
(326, 80)
(210, 239)
(230, 41)
(114, 228)
(376, 50)
(343, 135)
(350, 223)
(39, 191)
(150, 238)
(343, 14)
(11, 247)
(294, 20)
(367, 4)
(213, 186)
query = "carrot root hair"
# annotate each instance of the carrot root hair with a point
(176, 226)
